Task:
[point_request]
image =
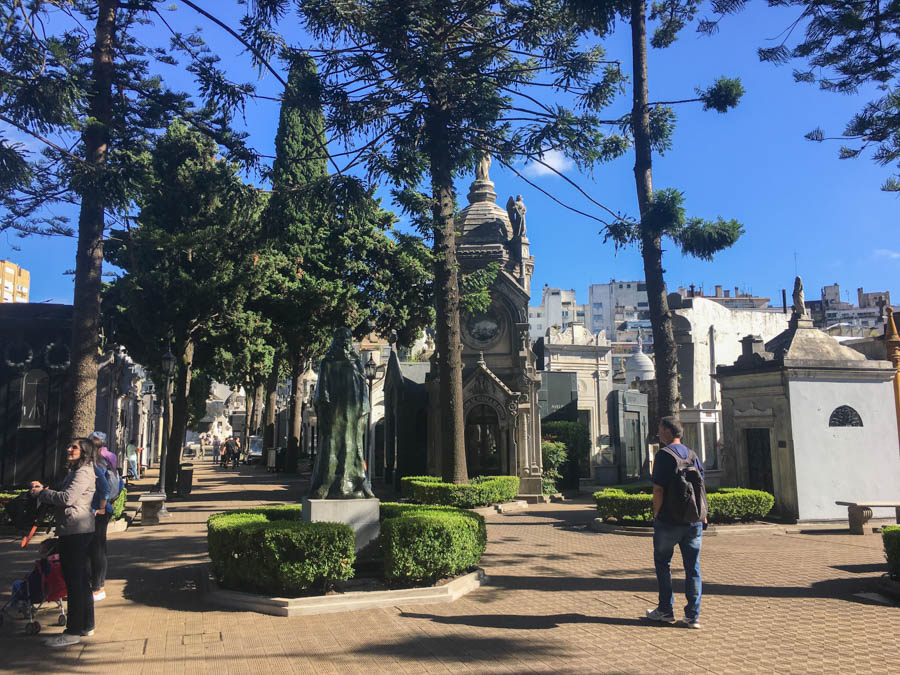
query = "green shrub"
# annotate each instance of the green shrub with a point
(481, 491)
(726, 505)
(731, 504)
(5, 497)
(119, 504)
(425, 544)
(577, 439)
(282, 555)
(553, 456)
(395, 509)
(890, 535)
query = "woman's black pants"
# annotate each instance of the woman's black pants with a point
(73, 558)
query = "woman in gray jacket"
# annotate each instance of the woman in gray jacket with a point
(75, 529)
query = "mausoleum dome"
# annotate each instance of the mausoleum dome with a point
(639, 366)
(483, 221)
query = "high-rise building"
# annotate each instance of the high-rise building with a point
(558, 308)
(15, 282)
(609, 305)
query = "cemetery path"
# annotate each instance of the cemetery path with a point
(561, 599)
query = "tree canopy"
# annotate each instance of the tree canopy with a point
(847, 46)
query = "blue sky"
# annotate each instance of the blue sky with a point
(802, 208)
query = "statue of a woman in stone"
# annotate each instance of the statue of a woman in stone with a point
(342, 404)
(799, 302)
(481, 169)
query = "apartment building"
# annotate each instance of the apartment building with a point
(558, 308)
(15, 282)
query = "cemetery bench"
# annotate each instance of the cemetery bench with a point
(859, 512)
(151, 504)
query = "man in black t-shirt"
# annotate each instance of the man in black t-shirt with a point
(228, 451)
(667, 532)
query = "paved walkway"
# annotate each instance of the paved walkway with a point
(561, 599)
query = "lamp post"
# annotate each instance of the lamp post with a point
(374, 373)
(168, 364)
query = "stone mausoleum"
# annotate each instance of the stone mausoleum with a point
(500, 382)
(809, 420)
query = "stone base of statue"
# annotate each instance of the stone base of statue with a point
(360, 514)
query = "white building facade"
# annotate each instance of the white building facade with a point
(558, 309)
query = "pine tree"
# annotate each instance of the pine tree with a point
(648, 128)
(333, 256)
(434, 86)
(846, 45)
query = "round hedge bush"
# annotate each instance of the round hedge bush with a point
(890, 537)
(480, 491)
(726, 505)
(272, 550)
(425, 543)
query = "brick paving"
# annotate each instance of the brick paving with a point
(561, 599)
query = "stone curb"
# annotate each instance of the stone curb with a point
(505, 507)
(597, 525)
(344, 602)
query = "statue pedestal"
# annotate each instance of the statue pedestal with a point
(359, 514)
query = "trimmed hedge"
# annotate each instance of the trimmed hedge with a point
(425, 543)
(726, 505)
(271, 550)
(480, 491)
(890, 536)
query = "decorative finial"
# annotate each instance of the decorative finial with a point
(481, 358)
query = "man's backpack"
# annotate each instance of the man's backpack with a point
(684, 498)
(115, 483)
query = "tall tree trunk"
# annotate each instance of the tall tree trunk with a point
(446, 284)
(179, 413)
(269, 440)
(296, 415)
(82, 381)
(664, 349)
(258, 395)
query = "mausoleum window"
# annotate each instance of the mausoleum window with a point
(844, 416)
(35, 395)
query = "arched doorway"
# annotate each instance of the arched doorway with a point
(482, 442)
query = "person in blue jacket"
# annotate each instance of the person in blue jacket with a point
(102, 508)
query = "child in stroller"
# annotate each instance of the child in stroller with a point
(43, 584)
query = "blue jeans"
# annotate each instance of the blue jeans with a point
(689, 539)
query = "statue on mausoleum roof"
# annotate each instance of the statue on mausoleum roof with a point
(481, 169)
(799, 302)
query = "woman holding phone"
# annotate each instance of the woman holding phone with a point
(75, 529)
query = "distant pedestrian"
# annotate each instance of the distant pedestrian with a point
(227, 451)
(237, 451)
(217, 448)
(131, 456)
(75, 529)
(676, 522)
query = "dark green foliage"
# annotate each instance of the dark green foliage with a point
(666, 217)
(250, 552)
(846, 46)
(726, 505)
(723, 95)
(119, 504)
(395, 509)
(5, 497)
(890, 535)
(553, 457)
(577, 439)
(480, 491)
(425, 545)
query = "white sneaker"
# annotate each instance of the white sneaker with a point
(63, 640)
(99, 595)
(689, 623)
(656, 615)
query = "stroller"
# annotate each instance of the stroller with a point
(44, 584)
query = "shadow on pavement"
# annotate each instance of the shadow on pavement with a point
(468, 648)
(531, 622)
(840, 589)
